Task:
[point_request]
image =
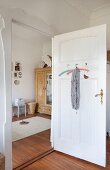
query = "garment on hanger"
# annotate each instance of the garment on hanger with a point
(75, 89)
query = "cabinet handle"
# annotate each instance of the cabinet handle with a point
(44, 88)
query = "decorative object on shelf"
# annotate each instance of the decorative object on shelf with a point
(48, 61)
(45, 65)
(50, 57)
(41, 64)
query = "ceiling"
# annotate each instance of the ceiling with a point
(34, 5)
(61, 15)
(28, 34)
(89, 5)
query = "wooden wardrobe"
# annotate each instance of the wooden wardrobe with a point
(43, 85)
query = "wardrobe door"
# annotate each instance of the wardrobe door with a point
(48, 97)
(40, 82)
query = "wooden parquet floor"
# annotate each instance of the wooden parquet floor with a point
(27, 150)
(59, 161)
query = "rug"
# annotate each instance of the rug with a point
(35, 125)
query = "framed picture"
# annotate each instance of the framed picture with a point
(15, 75)
(17, 66)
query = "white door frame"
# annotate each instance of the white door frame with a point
(6, 89)
(5, 107)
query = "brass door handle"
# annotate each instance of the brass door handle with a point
(101, 95)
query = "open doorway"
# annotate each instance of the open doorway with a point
(108, 108)
(31, 94)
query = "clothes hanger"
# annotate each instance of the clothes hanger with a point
(64, 72)
(81, 69)
(72, 70)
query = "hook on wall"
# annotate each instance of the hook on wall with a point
(76, 65)
(85, 76)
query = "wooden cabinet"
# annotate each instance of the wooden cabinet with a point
(2, 162)
(43, 83)
(108, 55)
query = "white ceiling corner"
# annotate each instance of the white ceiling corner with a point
(60, 15)
(79, 6)
(101, 11)
(88, 6)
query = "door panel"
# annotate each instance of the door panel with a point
(84, 52)
(64, 118)
(80, 133)
(40, 87)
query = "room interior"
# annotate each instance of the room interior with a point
(31, 94)
(89, 13)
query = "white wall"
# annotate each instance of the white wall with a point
(47, 49)
(29, 54)
(102, 16)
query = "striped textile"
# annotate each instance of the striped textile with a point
(75, 89)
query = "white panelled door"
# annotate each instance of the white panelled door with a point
(81, 134)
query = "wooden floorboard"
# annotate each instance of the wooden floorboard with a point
(60, 161)
(34, 160)
(29, 148)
